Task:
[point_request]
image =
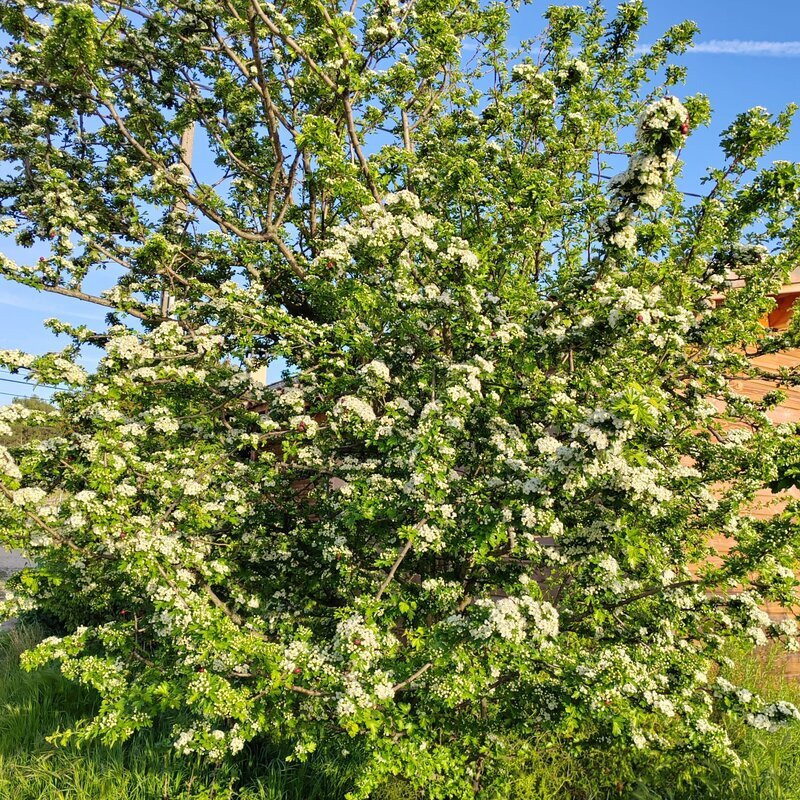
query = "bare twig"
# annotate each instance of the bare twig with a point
(408, 681)
(401, 555)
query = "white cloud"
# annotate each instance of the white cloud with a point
(743, 47)
(748, 47)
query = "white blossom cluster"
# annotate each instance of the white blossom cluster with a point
(759, 714)
(515, 619)
(649, 169)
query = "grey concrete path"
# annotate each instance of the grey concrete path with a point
(10, 562)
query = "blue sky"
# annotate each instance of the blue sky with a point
(748, 54)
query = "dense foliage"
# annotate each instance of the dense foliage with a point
(25, 427)
(478, 509)
(146, 768)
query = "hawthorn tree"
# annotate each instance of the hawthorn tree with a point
(477, 510)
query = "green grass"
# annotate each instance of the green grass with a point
(771, 762)
(33, 705)
(37, 704)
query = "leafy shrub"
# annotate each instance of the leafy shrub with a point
(466, 522)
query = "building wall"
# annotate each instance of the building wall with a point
(767, 503)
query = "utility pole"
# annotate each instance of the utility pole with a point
(187, 150)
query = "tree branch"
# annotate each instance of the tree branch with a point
(398, 687)
(402, 554)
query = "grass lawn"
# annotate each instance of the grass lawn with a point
(35, 705)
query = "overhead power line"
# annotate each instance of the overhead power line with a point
(6, 371)
(29, 383)
(22, 396)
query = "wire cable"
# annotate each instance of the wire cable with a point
(29, 383)
(24, 396)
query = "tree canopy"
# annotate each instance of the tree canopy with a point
(477, 510)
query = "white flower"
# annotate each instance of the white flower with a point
(401, 404)
(581, 67)
(351, 406)
(193, 488)
(639, 740)
(7, 464)
(292, 398)
(609, 565)
(164, 421)
(652, 198)
(129, 347)
(384, 691)
(625, 238)
(509, 618)
(428, 538)
(665, 706)
(547, 445)
(378, 370)
(28, 496)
